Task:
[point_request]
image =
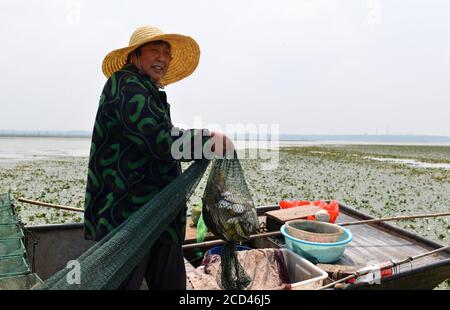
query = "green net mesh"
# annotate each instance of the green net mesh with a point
(11, 247)
(5, 200)
(11, 231)
(15, 272)
(7, 218)
(21, 282)
(229, 212)
(6, 212)
(11, 266)
(107, 264)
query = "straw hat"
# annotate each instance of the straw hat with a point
(185, 53)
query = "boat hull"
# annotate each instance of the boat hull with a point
(50, 247)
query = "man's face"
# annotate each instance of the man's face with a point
(154, 60)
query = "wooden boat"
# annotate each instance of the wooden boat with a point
(49, 247)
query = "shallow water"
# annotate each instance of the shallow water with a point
(16, 149)
(412, 163)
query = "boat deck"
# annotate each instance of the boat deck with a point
(372, 243)
(375, 243)
(49, 247)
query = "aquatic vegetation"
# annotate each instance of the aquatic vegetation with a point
(58, 181)
(341, 172)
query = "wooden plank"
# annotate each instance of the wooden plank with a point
(284, 215)
(413, 237)
(372, 244)
(275, 219)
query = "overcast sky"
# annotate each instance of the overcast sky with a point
(311, 66)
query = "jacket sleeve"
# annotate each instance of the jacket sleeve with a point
(147, 125)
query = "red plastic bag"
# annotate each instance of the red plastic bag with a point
(332, 207)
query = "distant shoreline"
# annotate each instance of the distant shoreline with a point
(252, 143)
(414, 139)
(46, 136)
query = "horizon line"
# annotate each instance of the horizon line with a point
(17, 131)
(85, 133)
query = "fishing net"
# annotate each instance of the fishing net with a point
(13, 265)
(12, 247)
(21, 282)
(15, 271)
(108, 263)
(5, 200)
(229, 212)
(7, 215)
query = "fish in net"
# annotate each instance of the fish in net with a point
(229, 212)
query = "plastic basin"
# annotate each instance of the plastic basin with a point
(303, 274)
(317, 252)
(314, 231)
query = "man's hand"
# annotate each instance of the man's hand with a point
(221, 144)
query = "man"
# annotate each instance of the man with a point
(131, 158)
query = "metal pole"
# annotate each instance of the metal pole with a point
(395, 218)
(218, 242)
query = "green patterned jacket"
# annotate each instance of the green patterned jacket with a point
(130, 158)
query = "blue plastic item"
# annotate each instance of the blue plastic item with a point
(218, 249)
(318, 252)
